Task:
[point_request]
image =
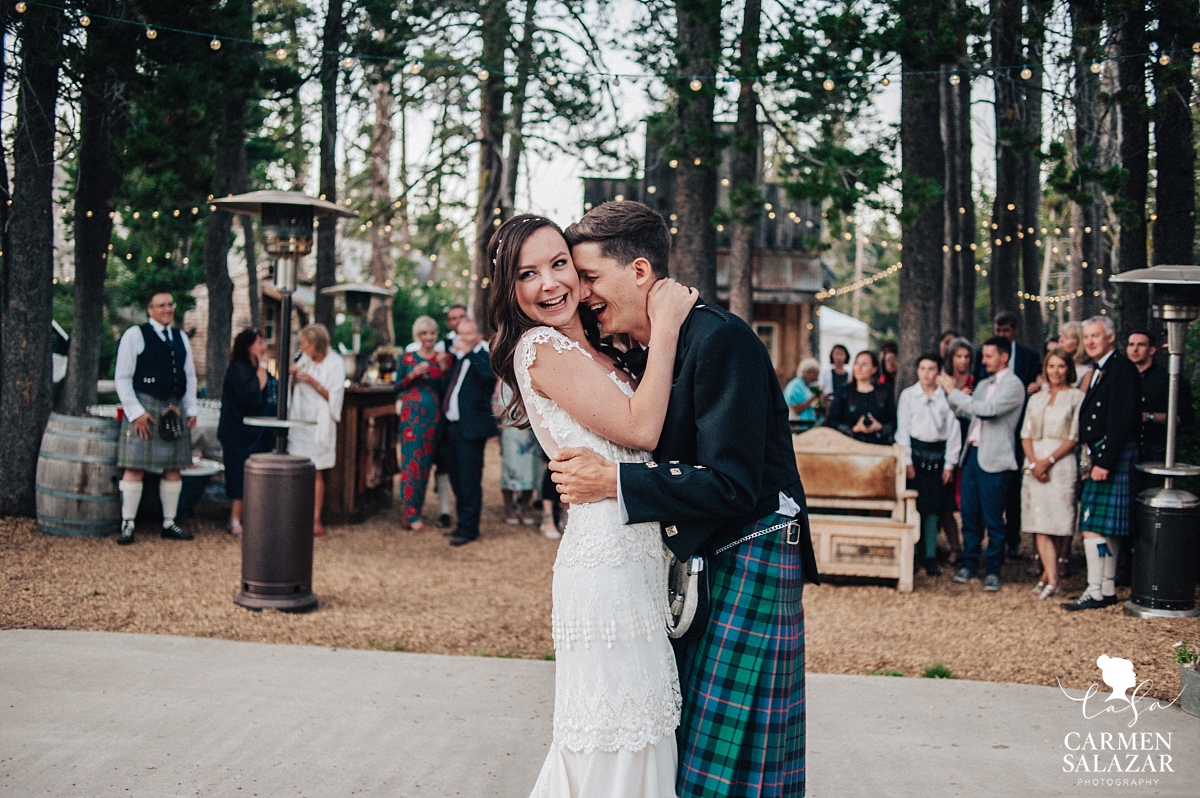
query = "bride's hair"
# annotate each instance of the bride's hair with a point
(504, 313)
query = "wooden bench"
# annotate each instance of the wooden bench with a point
(880, 526)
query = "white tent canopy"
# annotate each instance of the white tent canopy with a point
(838, 328)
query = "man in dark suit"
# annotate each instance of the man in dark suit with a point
(469, 423)
(1025, 363)
(1110, 421)
(724, 470)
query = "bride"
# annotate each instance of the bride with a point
(616, 698)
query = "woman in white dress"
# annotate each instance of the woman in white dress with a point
(1048, 436)
(317, 390)
(616, 685)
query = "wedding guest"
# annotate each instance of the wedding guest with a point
(469, 424)
(1070, 340)
(1048, 436)
(156, 383)
(244, 393)
(521, 461)
(862, 409)
(989, 462)
(889, 366)
(421, 381)
(928, 429)
(948, 337)
(1110, 421)
(834, 377)
(960, 356)
(1140, 348)
(801, 398)
(318, 380)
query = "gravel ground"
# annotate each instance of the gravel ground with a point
(388, 588)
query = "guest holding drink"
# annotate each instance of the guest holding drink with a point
(318, 381)
(421, 380)
(244, 393)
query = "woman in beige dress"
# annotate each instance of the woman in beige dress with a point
(1048, 436)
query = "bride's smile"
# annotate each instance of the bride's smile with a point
(547, 284)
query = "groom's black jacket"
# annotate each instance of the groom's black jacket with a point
(725, 451)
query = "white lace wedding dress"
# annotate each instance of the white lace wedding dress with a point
(616, 696)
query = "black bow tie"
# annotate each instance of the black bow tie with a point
(634, 360)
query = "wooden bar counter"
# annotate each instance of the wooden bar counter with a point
(360, 483)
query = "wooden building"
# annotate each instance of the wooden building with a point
(787, 269)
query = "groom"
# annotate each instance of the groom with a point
(724, 468)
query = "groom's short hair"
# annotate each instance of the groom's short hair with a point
(625, 232)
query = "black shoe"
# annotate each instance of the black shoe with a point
(1086, 602)
(126, 536)
(932, 568)
(443, 521)
(174, 532)
(451, 533)
(459, 540)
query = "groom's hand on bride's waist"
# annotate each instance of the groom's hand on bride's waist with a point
(582, 476)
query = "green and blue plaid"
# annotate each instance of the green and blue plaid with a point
(1104, 507)
(742, 727)
(153, 452)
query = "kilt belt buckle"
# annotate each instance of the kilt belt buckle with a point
(791, 536)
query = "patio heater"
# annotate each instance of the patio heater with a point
(277, 536)
(358, 302)
(1167, 555)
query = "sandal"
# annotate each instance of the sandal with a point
(417, 526)
(235, 528)
(1046, 592)
(1037, 589)
(318, 531)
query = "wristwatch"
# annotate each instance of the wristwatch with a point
(1149, 416)
(1051, 459)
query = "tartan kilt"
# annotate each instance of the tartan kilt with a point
(154, 453)
(741, 732)
(1104, 507)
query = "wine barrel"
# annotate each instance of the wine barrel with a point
(77, 476)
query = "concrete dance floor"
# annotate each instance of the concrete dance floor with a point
(101, 714)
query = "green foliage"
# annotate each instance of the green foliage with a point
(937, 671)
(381, 645)
(891, 672)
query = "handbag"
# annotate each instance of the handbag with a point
(170, 425)
(687, 596)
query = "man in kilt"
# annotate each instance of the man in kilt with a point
(724, 470)
(156, 383)
(1110, 421)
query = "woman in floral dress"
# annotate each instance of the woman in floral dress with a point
(421, 381)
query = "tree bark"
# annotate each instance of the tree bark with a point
(1086, 21)
(696, 145)
(103, 113)
(218, 229)
(326, 272)
(253, 292)
(1133, 121)
(966, 231)
(1175, 155)
(516, 115)
(25, 332)
(1006, 209)
(383, 264)
(922, 235)
(494, 27)
(745, 198)
(1033, 325)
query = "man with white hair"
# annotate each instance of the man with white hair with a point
(1110, 420)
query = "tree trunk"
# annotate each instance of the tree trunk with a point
(1033, 326)
(696, 145)
(218, 229)
(922, 233)
(494, 26)
(1133, 124)
(326, 273)
(1010, 195)
(1086, 21)
(516, 116)
(966, 231)
(383, 264)
(103, 106)
(1175, 155)
(25, 332)
(744, 199)
(253, 292)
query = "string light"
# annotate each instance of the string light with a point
(860, 284)
(1164, 59)
(151, 34)
(21, 7)
(85, 20)
(1026, 73)
(1095, 68)
(215, 44)
(483, 75)
(828, 84)
(696, 85)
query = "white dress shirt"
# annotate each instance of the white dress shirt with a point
(452, 406)
(133, 344)
(929, 419)
(1094, 376)
(977, 424)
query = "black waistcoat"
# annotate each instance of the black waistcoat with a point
(159, 371)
